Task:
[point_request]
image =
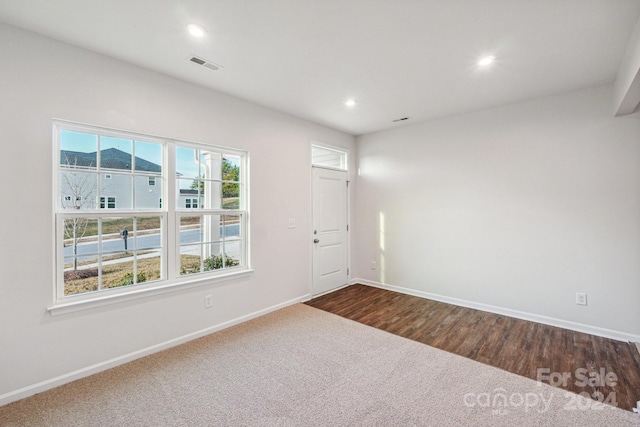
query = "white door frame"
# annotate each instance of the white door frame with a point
(348, 205)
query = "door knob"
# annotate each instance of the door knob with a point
(316, 241)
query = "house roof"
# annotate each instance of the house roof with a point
(111, 158)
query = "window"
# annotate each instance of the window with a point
(107, 202)
(191, 203)
(213, 182)
(115, 234)
(328, 157)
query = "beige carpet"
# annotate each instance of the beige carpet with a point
(299, 367)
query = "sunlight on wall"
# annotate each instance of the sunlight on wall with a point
(381, 239)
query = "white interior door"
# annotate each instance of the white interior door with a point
(330, 236)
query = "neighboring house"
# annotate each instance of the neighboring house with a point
(189, 199)
(115, 184)
(79, 188)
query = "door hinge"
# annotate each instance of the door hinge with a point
(347, 227)
(347, 271)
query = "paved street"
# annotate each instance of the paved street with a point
(89, 250)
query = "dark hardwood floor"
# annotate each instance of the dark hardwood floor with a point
(515, 345)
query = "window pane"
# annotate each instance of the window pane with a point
(82, 260)
(80, 238)
(210, 177)
(323, 156)
(189, 189)
(80, 249)
(187, 163)
(117, 237)
(118, 272)
(115, 153)
(147, 196)
(150, 265)
(231, 226)
(148, 233)
(230, 196)
(78, 189)
(117, 192)
(231, 187)
(190, 259)
(79, 280)
(78, 149)
(189, 229)
(211, 228)
(148, 157)
(232, 234)
(212, 256)
(200, 229)
(233, 252)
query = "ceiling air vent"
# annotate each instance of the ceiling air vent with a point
(400, 119)
(210, 65)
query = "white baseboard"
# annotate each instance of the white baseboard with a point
(42, 386)
(565, 324)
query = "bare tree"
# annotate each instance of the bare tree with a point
(78, 193)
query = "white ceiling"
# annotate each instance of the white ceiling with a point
(395, 57)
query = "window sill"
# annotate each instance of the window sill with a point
(104, 300)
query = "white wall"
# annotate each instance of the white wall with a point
(516, 207)
(41, 79)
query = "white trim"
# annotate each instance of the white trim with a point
(45, 385)
(109, 296)
(330, 168)
(560, 323)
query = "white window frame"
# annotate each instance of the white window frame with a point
(169, 213)
(343, 153)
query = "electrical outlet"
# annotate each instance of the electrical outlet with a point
(208, 301)
(373, 265)
(581, 298)
(292, 223)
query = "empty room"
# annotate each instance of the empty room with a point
(318, 212)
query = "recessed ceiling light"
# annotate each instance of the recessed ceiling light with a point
(350, 103)
(196, 30)
(487, 60)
